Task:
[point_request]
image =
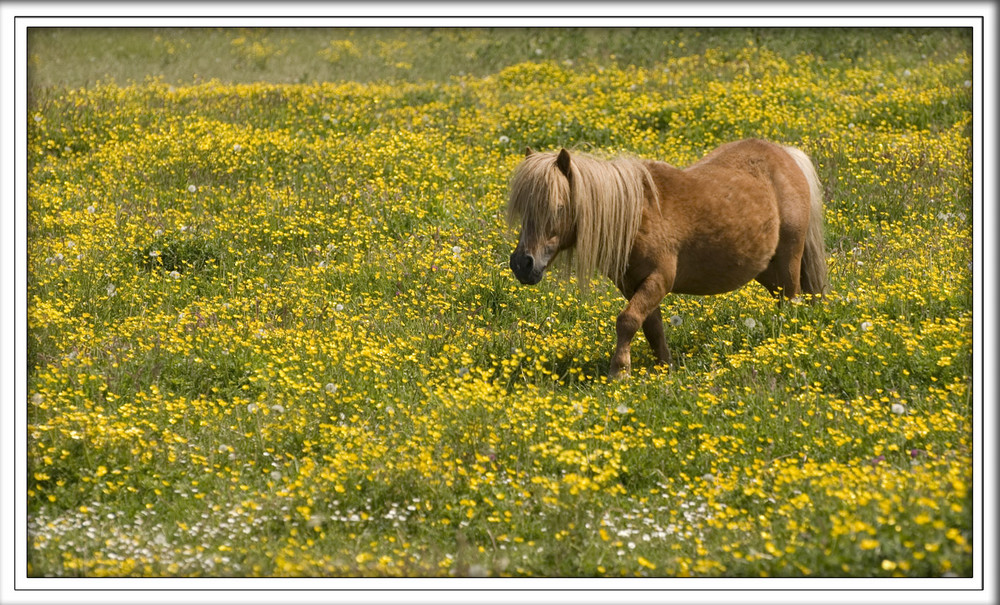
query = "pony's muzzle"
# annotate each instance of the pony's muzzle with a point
(523, 266)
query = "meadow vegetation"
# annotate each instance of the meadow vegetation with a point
(272, 330)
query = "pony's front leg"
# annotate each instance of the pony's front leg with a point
(653, 329)
(643, 303)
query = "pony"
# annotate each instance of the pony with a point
(749, 210)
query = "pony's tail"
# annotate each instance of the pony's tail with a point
(813, 274)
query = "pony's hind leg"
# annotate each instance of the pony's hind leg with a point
(782, 275)
(769, 279)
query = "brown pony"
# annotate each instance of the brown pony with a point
(748, 210)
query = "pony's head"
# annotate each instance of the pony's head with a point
(540, 199)
(591, 205)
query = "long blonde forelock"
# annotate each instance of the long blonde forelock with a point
(605, 199)
(608, 197)
(536, 190)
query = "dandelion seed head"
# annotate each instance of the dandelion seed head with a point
(477, 571)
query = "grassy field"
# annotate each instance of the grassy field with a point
(271, 329)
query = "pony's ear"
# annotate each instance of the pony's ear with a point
(563, 161)
(528, 151)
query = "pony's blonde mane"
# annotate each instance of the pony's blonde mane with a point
(604, 198)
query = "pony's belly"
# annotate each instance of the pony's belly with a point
(729, 250)
(707, 283)
(713, 271)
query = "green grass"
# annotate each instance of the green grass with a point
(272, 331)
(85, 56)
